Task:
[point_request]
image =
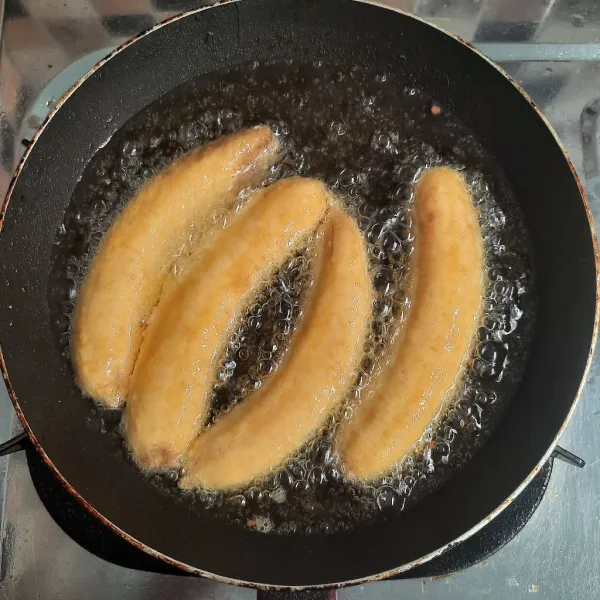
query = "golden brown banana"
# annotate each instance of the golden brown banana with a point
(321, 365)
(434, 345)
(176, 370)
(125, 278)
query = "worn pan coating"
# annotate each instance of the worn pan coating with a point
(335, 31)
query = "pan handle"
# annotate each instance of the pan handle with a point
(299, 595)
(19, 442)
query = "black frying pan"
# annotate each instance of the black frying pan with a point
(338, 32)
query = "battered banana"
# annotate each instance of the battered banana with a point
(447, 290)
(278, 419)
(176, 369)
(124, 281)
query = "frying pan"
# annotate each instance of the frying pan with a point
(339, 32)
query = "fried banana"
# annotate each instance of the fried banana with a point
(177, 367)
(433, 347)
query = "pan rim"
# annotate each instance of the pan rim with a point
(378, 576)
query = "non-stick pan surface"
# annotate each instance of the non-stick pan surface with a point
(338, 32)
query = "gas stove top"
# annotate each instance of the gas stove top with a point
(51, 550)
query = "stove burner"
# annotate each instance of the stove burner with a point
(92, 535)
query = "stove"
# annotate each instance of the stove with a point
(546, 543)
